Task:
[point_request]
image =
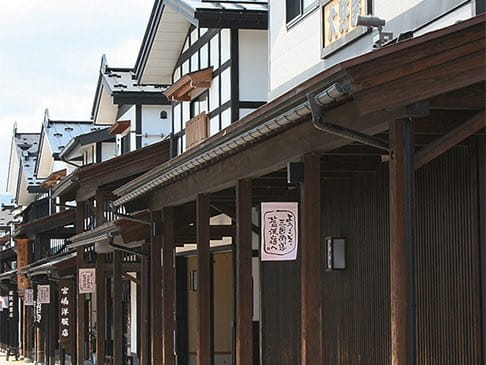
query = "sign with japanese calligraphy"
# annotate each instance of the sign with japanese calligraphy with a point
(279, 222)
(87, 281)
(29, 297)
(339, 23)
(44, 294)
(11, 305)
(37, 313)
(22, 246)
(66, 313)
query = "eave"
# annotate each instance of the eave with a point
(55, 221)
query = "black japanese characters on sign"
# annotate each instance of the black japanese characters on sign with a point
(279, 231)
(66, 315)
(44, 294)
(29, 297)
(87, 281)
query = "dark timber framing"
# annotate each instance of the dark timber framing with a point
(156, 288)
(145, 308)
(205, 346)
(244, 288)
(311, 345)
(118, 351)
(100, 286)
(402, 245)
(80, 301)
(235, 77)
(481, 168)
(168, 294)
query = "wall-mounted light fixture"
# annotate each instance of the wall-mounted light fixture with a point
(336, 253)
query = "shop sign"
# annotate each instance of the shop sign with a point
(22, 246)
(87, 281)
(280, 227)
(37, 313)
(29, 297)
(339, 23)
(66, 300)
(11, 305)
(4, 303)
(44, 294)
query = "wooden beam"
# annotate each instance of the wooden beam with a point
(101, 307)
(402, 249)
(80, 355)
(244, 279)
(156, 288)
(145, 308)
(168, 293)
(449, 140)
(204, 333)
(311, 350)
(117, 309)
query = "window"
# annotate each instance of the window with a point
(199, 105)
(297, 8)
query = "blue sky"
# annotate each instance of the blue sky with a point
(50, 54)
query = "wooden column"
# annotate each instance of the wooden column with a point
(145, 308)
(310, 256)
(53, 326)
(156, 288)
(117, 309)
(402, 250)
(244, 280)
(80, 300)
(100, 286)
(204, 333)
(168, 294)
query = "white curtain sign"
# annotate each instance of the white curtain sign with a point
(29, 297)
(279, 222)
(44, 294)
(87, 281)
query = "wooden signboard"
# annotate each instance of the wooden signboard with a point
(22, 246)
(87, 281)
(339, 23)
(66, 314)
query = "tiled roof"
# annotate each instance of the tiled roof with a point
(27, 149)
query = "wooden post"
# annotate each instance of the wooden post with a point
(311, 352)
(168, 294)
(145, 309)
(53, 326)
(244, 287)
(118, 350)
(402, 250)
(80, 301)
(156, 288)
(203, 282)
(100, 286)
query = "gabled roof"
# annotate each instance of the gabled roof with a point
(72, 148)
(117, 87)
(27, 145)
(171, 19)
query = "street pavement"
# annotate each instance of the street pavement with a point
(3, 360)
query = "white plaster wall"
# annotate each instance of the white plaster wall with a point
(253, 65)
(108, 150)
(153, 125)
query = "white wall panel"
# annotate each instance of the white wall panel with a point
(253, 65)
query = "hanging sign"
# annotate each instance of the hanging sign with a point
(11, 304)
(29, 297)
(87, 281)
(44, 294)
(22, 246)
(279, 222)
(4, 303)
(66, 314)
(37, 313)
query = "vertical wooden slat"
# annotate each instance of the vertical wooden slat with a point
(481, 168)
(203, 282)
(100, 286)
(117, 309)
(244, 288)
(145, 309)
(168, 294)
(156, 288)
(80, 307)
(402, 248)
(311, 352)
(52, 326)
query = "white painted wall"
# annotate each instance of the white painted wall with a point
(253, 65)
(108, 150)
(152, 125)
(294, 53)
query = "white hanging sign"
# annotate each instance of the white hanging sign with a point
(87, 281)
(280, 227)
(4, 303)
(29, 297)
(43, 294)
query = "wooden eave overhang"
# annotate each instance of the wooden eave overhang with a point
(8, 275)
(382, 83)
(190, 85)
(53, 179)
(45, 224)
(119, 127)
(47, 265)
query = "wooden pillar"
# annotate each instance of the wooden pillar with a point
(145, 308)
(53, 326)
(156, 288)
(100, 287)
(244, 280)
(118, 349)
(402, 250)
(310, 256)
(168, 294)
(204, 333)
(80, 300)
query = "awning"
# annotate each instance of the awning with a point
(8, 275)
(46, 266)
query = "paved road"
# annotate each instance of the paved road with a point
(3, 360)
